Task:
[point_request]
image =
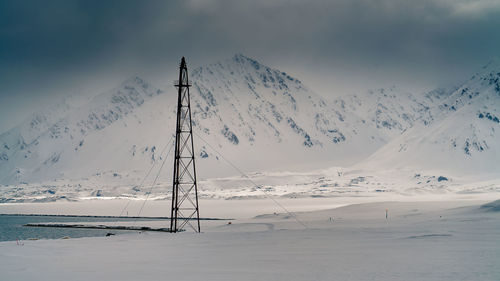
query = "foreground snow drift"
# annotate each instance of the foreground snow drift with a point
(417, 241)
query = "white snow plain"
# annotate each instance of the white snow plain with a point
(425, 240)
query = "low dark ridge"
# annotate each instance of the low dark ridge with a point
(110, 217)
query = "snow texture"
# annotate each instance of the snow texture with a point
(417, 241)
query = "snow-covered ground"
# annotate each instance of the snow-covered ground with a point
(439, 240)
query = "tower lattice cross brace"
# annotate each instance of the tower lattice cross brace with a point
(185, 210)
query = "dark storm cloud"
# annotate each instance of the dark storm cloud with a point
(53, 48)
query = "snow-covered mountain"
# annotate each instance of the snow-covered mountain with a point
(264, 118)
(393, 110)
(259, 118)
(464, 137)
(62, 138)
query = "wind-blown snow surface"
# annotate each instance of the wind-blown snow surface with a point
(260, 119)
(418, 241)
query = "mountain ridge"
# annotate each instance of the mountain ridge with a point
(261, 117)
(466, 139)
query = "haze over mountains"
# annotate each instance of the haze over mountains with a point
(261, 119)
(464, 135)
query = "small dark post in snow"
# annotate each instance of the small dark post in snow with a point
(185, 188)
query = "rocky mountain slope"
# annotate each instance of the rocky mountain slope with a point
(259, 118)
(465, 138)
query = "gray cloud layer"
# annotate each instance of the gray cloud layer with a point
(54, 48)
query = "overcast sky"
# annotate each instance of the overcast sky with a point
(51, 49)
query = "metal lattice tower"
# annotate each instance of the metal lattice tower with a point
(185, 190)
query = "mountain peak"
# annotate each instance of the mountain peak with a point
(492, 68)
(135, 81)
(239, 64)
(493, 64)
(241, 57)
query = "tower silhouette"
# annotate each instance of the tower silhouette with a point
(185, 189)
